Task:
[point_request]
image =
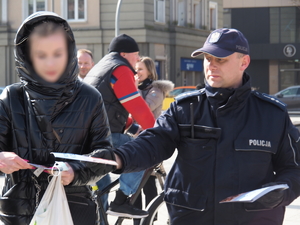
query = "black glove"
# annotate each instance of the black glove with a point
(102, 169)
(43, 157)
(89, 172)
(269, 200)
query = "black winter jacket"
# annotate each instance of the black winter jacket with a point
(241, 142)
(100, 78)
(67, 116)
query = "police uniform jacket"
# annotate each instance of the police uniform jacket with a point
(228, 142)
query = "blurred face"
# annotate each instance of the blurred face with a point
(85, 63)
(132, 57)
(225, 72)
(142, 71)
(49, 55)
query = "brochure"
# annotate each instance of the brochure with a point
(252, 196)
(83, 158)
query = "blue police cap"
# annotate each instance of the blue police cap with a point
(224, 42)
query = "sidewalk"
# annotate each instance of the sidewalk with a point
(292, 214)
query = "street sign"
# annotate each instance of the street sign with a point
(157, 66)
(187, 64)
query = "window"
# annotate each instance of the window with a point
(284, 25)
(227, 18)
(159, 11)
(32, 6)
(190, 13)
(289, 73)
(1, 14)
(290, 92)
(181, 13)
(75, 10)
(3, 11)
(197, 14)
(213, 15)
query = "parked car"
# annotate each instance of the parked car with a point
(290, 96)
(177, 91)
(297, 125)
(1, 89)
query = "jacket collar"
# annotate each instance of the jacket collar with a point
(226, 97)
(116, 55)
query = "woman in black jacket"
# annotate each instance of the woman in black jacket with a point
(49, 111)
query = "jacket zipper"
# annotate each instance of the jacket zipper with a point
(293, 150)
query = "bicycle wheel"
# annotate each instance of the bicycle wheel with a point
(158, 213)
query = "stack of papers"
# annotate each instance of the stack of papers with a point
(83, 158)
(252, 196)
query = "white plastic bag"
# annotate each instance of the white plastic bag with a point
(53, 208)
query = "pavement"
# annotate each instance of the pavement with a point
(292, 215)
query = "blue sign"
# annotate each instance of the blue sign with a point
(191, 64)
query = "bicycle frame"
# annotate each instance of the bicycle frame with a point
(107, 189)
(133, 198)
(160, 174)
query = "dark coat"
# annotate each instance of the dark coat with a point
(239, 145)
(66, 116)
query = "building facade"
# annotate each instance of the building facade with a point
(166, 30)
(273, 31)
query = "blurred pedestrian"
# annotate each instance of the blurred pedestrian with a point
(50, 110)
(113, 76)
(85, 62)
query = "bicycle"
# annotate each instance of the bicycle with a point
(160, 173)
(156, 203)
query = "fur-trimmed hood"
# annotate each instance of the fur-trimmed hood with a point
(155, 93)
(164, 85)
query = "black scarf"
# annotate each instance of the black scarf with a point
(146, 83)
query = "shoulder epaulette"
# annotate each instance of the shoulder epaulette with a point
(189, 94)
(270, 99)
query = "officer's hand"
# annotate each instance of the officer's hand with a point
(136, 80)
(43, 158)
(268, 201)
(102, 169)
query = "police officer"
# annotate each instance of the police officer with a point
(229, 140)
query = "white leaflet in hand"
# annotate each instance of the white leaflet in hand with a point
(252, 196)
(83, 158)
(40, 166)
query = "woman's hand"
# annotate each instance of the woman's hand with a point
(138, 132)
(67, 176)
(136, 80)
(11, 162)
